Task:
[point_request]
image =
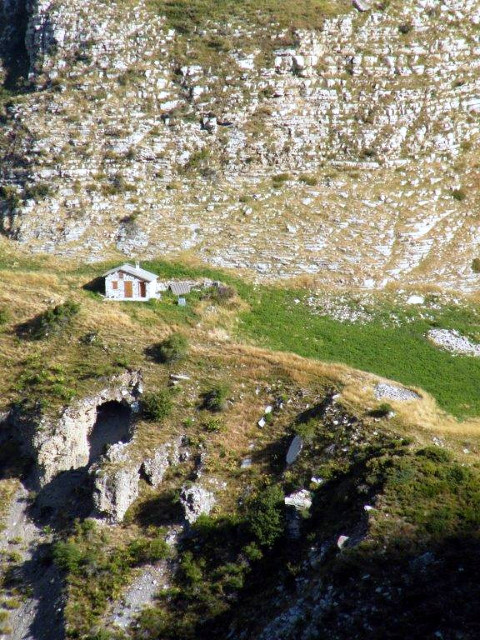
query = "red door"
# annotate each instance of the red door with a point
(143, 290)
(128, 289)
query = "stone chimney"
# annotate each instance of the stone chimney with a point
(137, 264)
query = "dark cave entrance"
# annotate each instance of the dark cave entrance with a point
(113, 425)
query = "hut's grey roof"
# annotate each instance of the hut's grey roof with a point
(142, 274)
(180, 288)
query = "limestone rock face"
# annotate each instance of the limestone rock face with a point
(164, 457)
(389, 95)
(60, 444)
(196, 501)
(114, 491)
(117, 475)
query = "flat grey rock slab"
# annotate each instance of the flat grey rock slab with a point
(386, 391)
(294, 450)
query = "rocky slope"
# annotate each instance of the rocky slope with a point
(143, 499)
(344, 152)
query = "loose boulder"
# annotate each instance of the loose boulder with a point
(196, 501)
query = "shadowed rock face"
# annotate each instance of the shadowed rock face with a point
(113, 425)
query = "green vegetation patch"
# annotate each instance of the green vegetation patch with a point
(423, 499)
(186, 15)
(172, 349)
(157, 405)
(396, 350)
(97, 568)
(392, 344)
(51, 322)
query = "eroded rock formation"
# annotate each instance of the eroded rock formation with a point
(61, 443)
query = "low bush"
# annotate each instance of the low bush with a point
(10, 196)
(67, 555)
(436, 454)
(4, 316)
(148, 550)
(476, 265)
(280, 179)
(157, 405)
(50, 322)
(266, 517)
(405, 28)
(215, 398)
(382, 410)
(37, 191)
(311, 181)
(214, 425)
(221, 294)
(458, 194)
(172, 349)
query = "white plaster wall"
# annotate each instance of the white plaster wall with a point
(118, 294)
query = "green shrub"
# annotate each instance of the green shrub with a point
(10, 196)
(143, 551)
(37, 191)
(172, 349)
(382, 410)
(253, 552)
(52, 321)
(305, 430)
(214, 425)
(215, 398)
(311, 181)
(157, 405)
(405, 28)
(458, 194)
(192, 570)
(476, 265)
(436, 454)
(280, 179)
(67, 555)
(221, 294)
(265, 516)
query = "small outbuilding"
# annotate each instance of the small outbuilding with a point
(128, 282)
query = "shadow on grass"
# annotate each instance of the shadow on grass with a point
(97, 285)
(161, 510)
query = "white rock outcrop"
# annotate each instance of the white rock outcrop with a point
(196, 501)
(61, 443)
(387, 391)
(453, 341)
(110, 122)
(165, 456)
(114, 491)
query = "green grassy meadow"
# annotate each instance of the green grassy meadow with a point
(274, 320)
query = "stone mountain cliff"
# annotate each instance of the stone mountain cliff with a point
(344, 152)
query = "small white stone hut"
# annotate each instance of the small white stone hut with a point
(128, 282)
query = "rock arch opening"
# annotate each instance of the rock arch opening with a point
(113, 424)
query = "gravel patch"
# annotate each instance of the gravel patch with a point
(386, 391)
(454, 342)
(139, 594)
